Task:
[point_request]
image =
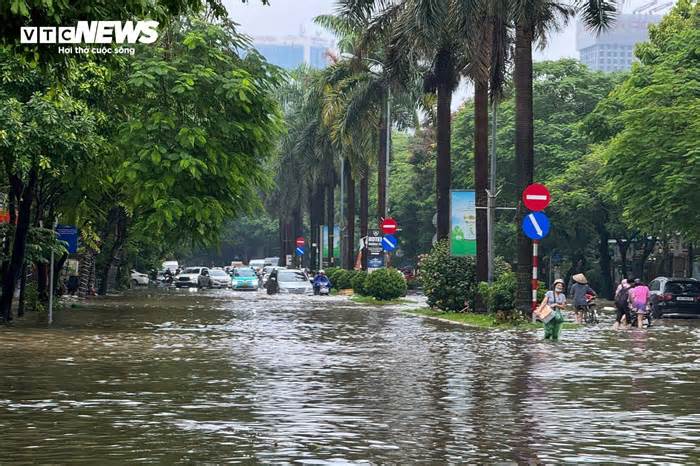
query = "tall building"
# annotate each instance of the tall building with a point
(290, 52)
(613, 50)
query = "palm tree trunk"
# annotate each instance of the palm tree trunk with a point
(443, 172)
(381, 168)
(524, 154)
(330, 216)
(481, 170)
(364, 213)
(349, 218)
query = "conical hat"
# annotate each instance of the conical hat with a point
(580, 278)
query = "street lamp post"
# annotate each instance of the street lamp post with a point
(491, 217)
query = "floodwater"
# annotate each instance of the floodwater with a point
(188, 377)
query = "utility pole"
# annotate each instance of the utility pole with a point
(491, 200)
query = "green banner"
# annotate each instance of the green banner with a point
(336, 241)
(462, 223)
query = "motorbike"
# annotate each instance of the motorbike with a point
(323, 288)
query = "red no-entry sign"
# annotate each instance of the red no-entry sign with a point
(300, 241)
(536, 197)
(389, 226)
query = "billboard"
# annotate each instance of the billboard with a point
(324, 241)
(462, 223)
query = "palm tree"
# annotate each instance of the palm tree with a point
(533, 19)
(426, 37)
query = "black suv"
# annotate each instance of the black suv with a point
(678, 297)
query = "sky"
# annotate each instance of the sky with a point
(285, 17)
(288, 17)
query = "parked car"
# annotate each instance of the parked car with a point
(244, 278)
(293, 281)
(273, 261)
(675, 297)
(193, 277)
(219, 278)
(139, 279)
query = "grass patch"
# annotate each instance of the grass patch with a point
(377, 302)
(482, 320)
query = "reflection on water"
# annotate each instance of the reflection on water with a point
(235, 377)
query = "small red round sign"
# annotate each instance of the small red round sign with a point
(300, 241)
(389, 226)
(536, 197)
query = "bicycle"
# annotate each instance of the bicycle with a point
(590, 311)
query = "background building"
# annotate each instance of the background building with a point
(290, 52)
(613, 50)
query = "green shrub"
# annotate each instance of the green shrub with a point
(449, 282)
(358, 283)
(331, 273)
(385, 284)
(500, 296)
(342, 279)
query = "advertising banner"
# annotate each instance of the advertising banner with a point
(462, 223)
(336, 242)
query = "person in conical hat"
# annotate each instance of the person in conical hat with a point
(578, 292)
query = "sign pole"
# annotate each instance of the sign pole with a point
(55, 224)
(491, 193)
(535, 283)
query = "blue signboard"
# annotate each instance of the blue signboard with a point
(536, 225)
(69, 234)
(389, 243)
(299, 251)
(375, 262)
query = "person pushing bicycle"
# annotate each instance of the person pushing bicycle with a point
(578, 291)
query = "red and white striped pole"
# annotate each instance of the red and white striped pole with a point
(535, 266)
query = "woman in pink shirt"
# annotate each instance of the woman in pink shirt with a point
(639, 298)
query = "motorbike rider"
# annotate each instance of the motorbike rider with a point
(321, 280)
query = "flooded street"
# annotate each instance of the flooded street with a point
(225, 376)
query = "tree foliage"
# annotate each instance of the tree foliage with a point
(652, 156)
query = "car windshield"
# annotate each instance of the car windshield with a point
(292, 277)
(683, 287)
(245, 273)
(191, 270)
(217, 273)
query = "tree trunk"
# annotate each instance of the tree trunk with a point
(623, 248)
(481, 179)
(691, 260)
(604, 262)
(349, 218)
(381, 166)
(443, 172)
(118, 227)
(22, 287)
(330, 221)
(19, 244)
(364, 213)
(524, 154)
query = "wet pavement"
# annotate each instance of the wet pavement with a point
(222, 376)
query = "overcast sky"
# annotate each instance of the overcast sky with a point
(285, 17)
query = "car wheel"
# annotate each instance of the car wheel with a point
(134, 283)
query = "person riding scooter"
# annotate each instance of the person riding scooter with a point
(322, 285)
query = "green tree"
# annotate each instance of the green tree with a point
(203, 122)
(649, 130)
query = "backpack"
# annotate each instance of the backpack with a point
(622, 297)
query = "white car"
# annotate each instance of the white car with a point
(219, 278)
(139, 279)
(294, 282)
(193, 277)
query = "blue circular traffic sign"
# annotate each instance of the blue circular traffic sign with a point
(299, 251)
(389, 243)
(536, 225)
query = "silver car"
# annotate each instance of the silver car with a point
(294, 282)
(219, 278)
